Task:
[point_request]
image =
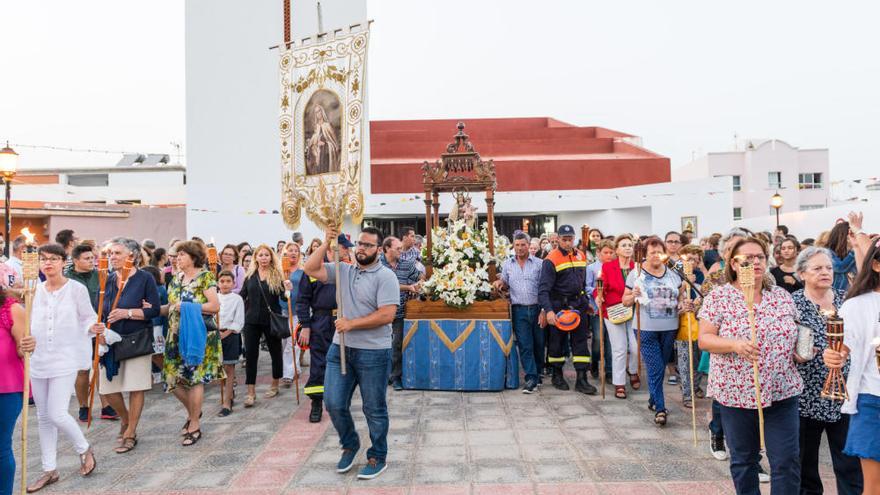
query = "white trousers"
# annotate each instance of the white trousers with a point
(52, 398)
(290, 355)
(624, 351)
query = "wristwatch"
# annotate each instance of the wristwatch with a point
(129, 314)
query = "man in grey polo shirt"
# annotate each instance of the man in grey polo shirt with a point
(370, 296)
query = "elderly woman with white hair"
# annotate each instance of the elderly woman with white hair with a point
(131, 318)
(818, 298)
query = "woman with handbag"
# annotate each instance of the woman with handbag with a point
(657, 289)
(262, 291)
(619, 318)
(127, 365)
(193, 352)
(60, 322)
(816, 271)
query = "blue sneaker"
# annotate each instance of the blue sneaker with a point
(372, 469)
(346, 461)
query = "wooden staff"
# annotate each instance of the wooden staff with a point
(30, 273)
(639, 258)
(688, 268)
(103, 269)
(336, 257)
(747, 281)
(124, 273)
(213, 262)
(287, 267)
(600, 288)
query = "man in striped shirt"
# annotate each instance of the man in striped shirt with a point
(408, 277)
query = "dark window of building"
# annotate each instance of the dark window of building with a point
(88, 180)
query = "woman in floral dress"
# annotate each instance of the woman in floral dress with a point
(725, 333)
(192, 284)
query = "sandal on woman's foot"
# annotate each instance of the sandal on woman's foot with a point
(45, 480)
(687, 403)
(191, 438)
(128, 444)
(660, 418)
(249, 401)
(226, 411)
(185, 428)
(620, 391)
(83, 458)
(634, 381)
(272, 392)
(700, 393)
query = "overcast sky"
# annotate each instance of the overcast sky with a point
(686, 76)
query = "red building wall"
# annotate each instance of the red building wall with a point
(531, 154)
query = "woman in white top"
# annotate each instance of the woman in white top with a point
(60, 322)
(861, 338)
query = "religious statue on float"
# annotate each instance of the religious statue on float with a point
(463, 209)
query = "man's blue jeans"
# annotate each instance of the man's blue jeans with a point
(369, 370)
(529, 338)
(782, 437)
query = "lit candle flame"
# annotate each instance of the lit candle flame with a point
(27, 235)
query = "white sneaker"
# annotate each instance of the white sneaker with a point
(763, 476)
(717, 447)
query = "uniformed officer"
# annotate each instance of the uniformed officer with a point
(316, 311)
(563, 276)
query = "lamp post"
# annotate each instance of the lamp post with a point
(776, 203)
(8, 167)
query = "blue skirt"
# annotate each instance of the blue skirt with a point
(863, 438)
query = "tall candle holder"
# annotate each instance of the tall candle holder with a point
(747, 281)
(835, 384)
(213, 258)
(30, 268)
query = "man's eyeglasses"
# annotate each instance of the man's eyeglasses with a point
(365, 245)
(673, 241)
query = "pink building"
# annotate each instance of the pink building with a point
(760, 168)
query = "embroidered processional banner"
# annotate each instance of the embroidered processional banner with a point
(322, 124)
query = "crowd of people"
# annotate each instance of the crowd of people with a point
(674, 306)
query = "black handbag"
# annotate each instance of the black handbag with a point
(136, 344)
(279, 327)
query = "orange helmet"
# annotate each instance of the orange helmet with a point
(567, 320)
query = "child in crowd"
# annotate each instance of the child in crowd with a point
(231, 323)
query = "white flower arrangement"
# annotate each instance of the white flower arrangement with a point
(461, 259)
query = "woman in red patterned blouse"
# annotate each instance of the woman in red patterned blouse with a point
(725, 332)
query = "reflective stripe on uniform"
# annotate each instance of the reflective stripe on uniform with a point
(563, 266)
(580, 359)
(556, 359)
(315, 389)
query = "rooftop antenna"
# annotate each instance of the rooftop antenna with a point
(177, 147)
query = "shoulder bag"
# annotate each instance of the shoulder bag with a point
(136, 344)
(619, 313)
(278, 324)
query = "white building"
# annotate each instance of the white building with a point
(761, 168)
(135, 180)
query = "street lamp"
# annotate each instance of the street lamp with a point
(8, 167)
(776, 202)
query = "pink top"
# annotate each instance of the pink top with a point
(11, 366)
(731, 380)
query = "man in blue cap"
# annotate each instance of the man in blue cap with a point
(563, 278)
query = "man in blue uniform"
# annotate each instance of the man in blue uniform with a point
(316, 311)
(563, 277)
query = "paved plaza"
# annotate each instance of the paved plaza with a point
(441, 443)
